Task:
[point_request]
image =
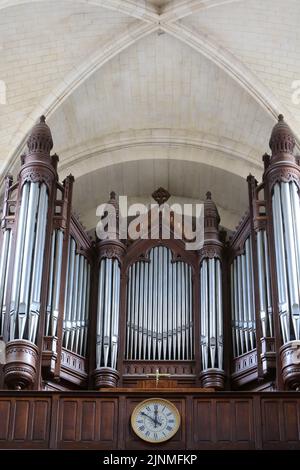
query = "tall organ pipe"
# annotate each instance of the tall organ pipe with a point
(281, 264)
(242, 300)
(204, 314)
(18, 259)
(211, 314)
(4, 266)
(27, 257)
(291, 251)
(35, 301)
(27, 273)
(56, 281)
(286, 213)
(264, 284)
(233, 311)
(108, 313)
(69, 296)
(86, 316)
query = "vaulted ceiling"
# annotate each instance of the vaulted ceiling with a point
(180, 93)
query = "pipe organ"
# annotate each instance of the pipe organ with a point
(80, 313)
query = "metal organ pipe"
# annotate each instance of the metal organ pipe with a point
(69, 296)
(86, 315)
(191, 319)
(264, 284)
(100, 313)
(233, 311)
(76, 304)
(290, 247)
(219, 311)
(165, 302)
(268, 285)
(245, 306)
(18, 260)
(4, 266)
(204, 313)
(56, 280)
(27, 257)
(236, 308)
(281, 264)
(145, 308)
(286, 213)
(250, 293)
(211, 314)
(159, 316)
(108, 313)
(35, 301)
(242, 302)
(27, 272)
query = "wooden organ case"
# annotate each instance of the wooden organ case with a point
(85, 323)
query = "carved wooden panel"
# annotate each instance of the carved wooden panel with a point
(225, 423)
(24, 423)
(88, 423)
(281, 423)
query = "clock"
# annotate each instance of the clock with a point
(155, 420)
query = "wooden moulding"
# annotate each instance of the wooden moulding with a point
(213, 378)
(106, 377)
(290, 360)
(21, 364)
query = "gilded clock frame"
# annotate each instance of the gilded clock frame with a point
(160, 401)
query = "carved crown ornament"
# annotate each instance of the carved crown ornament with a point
(161, 196)
(213, 251)
(112, 252)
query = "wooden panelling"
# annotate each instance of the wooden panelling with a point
(68, 419)
(281, 424)
(223, 423)
(91, 420)
(88, 423)
(5, 411)
(202, 421)
(244, 431)
(24, 423)
(40, 428)
(21, 420)
(291, 421)
(271, 425)
(107, 420)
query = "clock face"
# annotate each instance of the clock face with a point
(155, 420)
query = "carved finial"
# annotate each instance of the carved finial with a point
(161, 196)
(211, 218)
(282, 140)
(40, 139)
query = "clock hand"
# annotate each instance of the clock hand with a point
(144, 414)
(150, 417)
(155, 418)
